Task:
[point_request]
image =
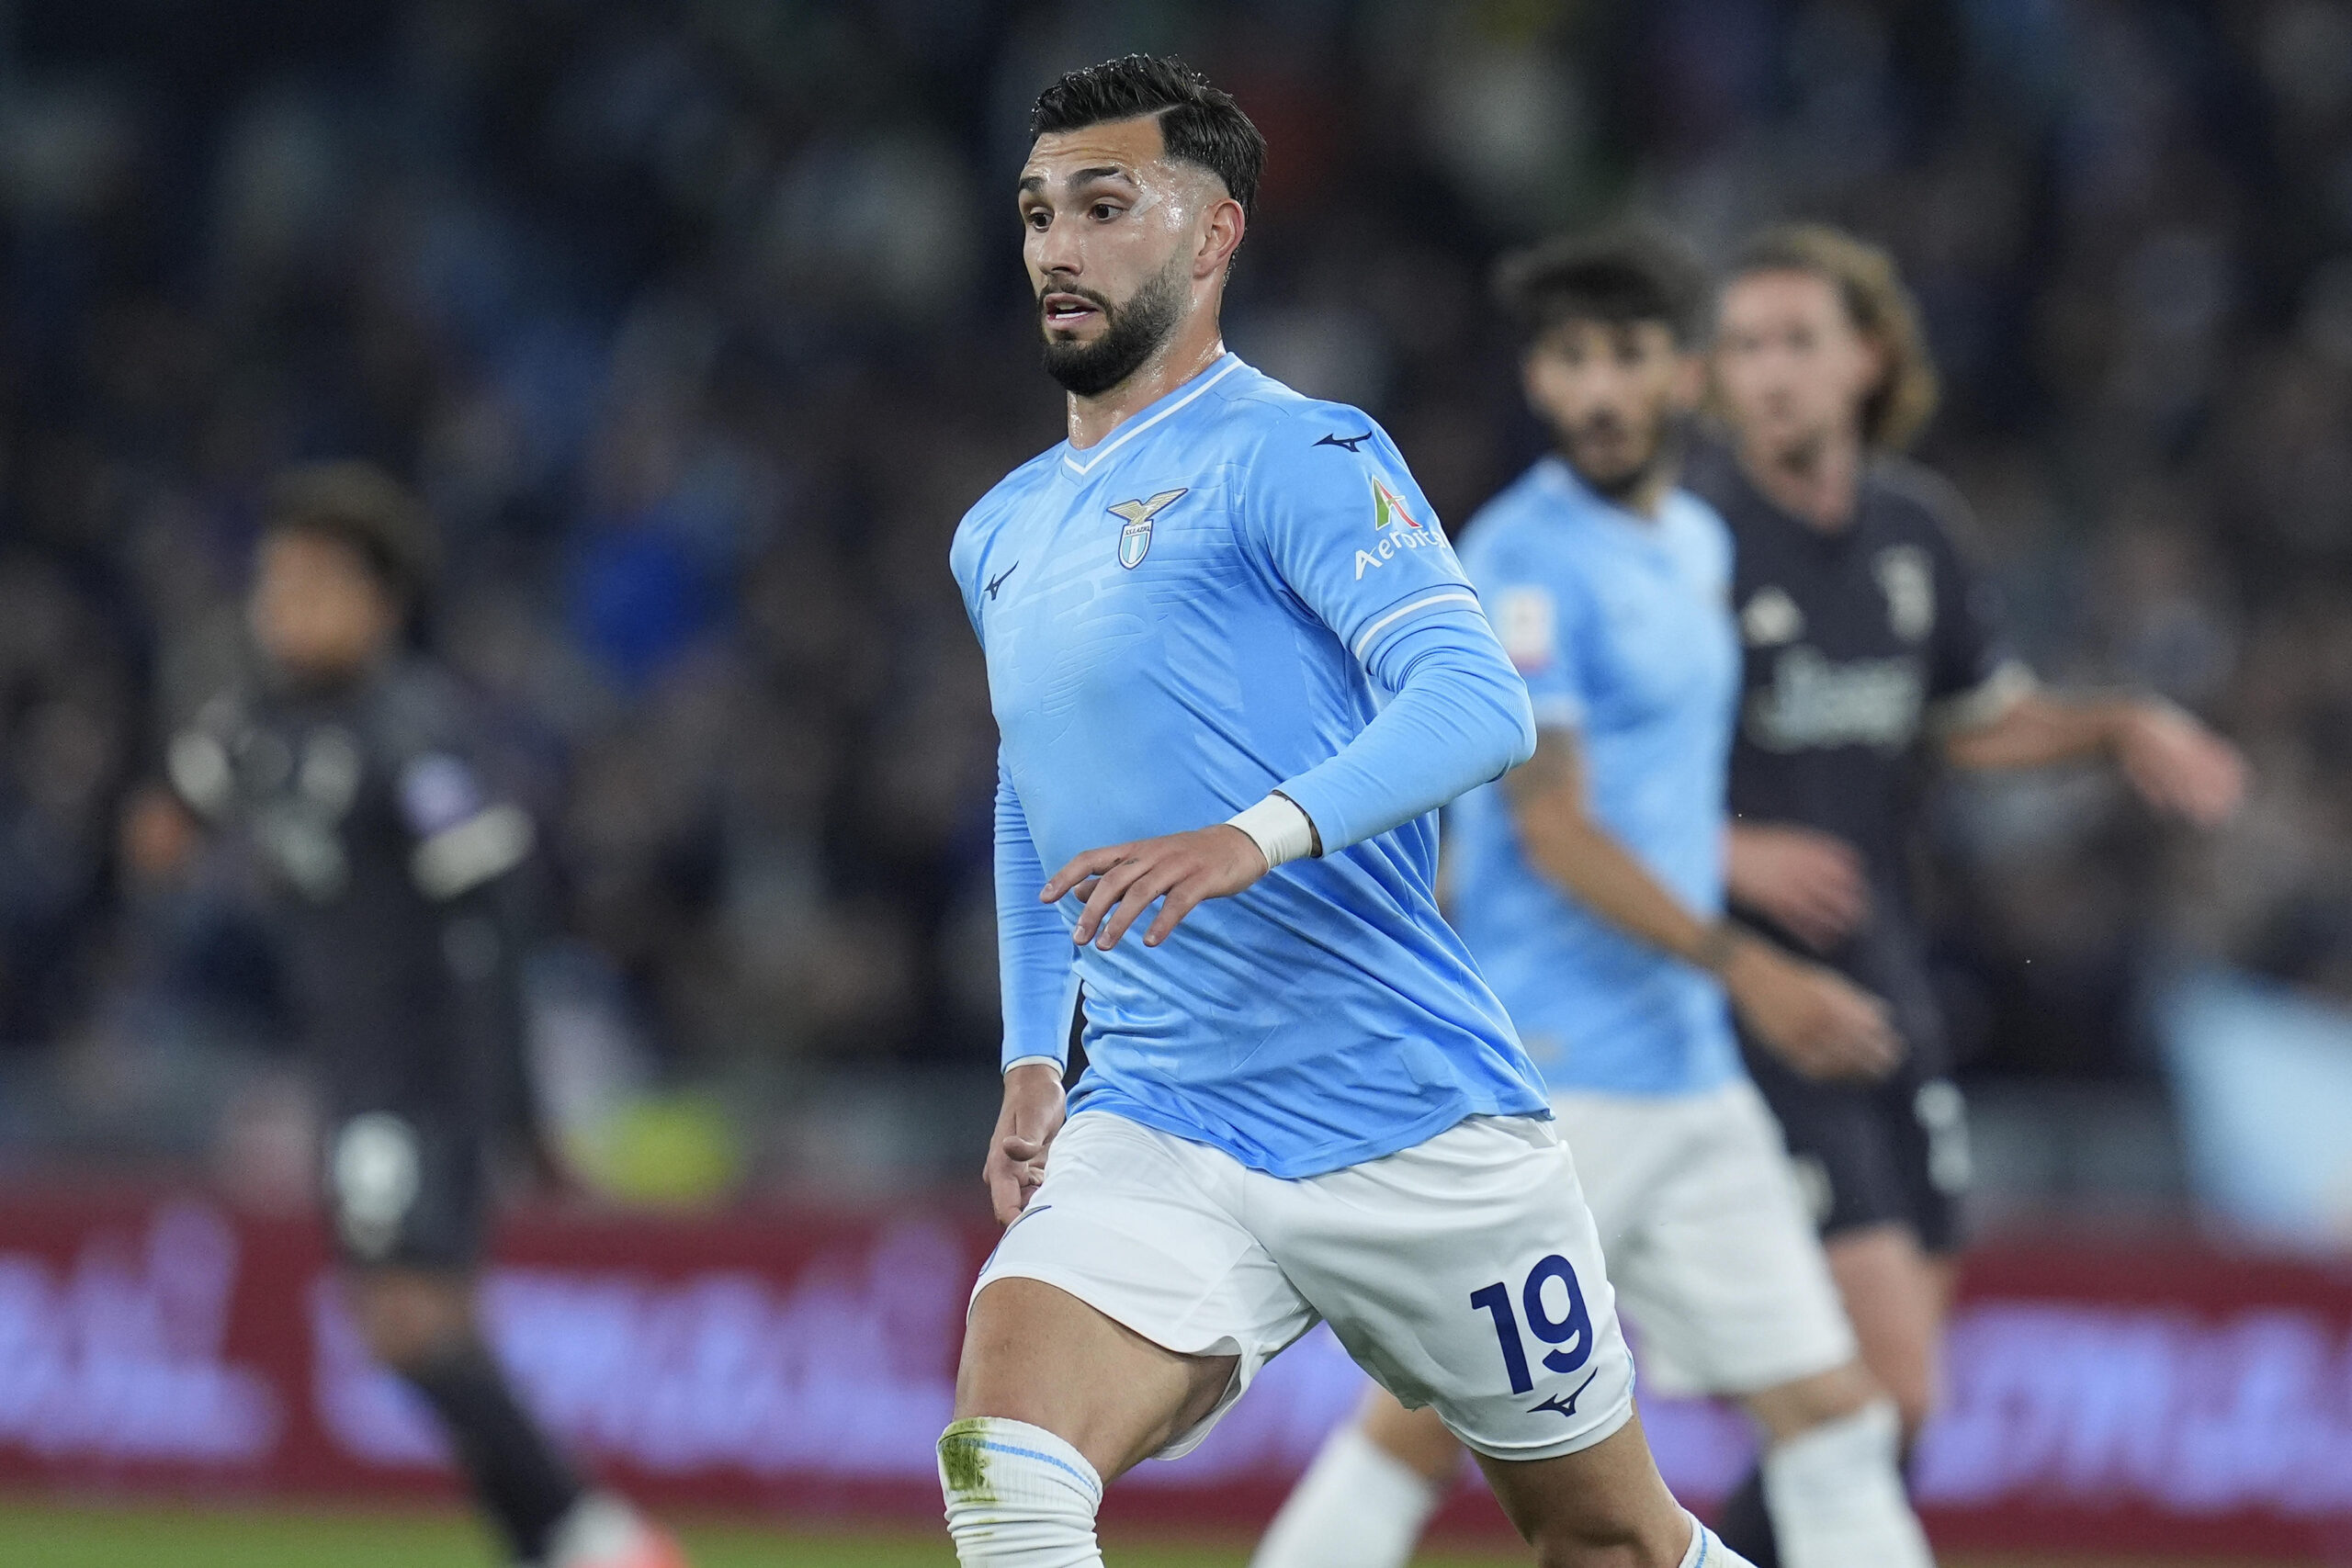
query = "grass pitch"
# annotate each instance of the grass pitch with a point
(96, 1535)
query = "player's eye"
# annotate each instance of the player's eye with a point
(1104, 211)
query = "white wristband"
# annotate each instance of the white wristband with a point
(1280, 826)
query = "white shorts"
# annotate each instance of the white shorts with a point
(1463, 1273)
(1708, 1238)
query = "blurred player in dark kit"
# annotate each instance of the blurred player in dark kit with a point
(351, 769)
(1871, 649)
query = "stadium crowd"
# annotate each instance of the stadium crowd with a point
(687, 322)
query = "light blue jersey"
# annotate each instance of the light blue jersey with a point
(1241, 588)
(1622, 627)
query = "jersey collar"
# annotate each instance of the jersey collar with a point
(1083, 464)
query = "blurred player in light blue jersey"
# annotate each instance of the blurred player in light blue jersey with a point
(1589, 887)
(1236, 668)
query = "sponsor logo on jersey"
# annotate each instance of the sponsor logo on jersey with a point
(1770, 619)
(1350, 441)
(1813, 702)
(1398, 530)
(1388, 509)
(1134, 539)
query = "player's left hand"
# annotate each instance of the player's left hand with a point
(1120, 881)
(2179, 766)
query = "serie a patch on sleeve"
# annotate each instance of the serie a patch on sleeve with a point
(1527, 619)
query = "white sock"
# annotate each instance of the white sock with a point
(1357, 1506)
(600, 1527)
(1707, 1549)
(1835, 1495)
(1018, 1496)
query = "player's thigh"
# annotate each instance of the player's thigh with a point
(1465, 1273)
(1732, 1295)
(1841, 1143)
(1894, 1293)
(408, 1316)
(1601, 1505)
(1033, 1353)
(1135, 1244)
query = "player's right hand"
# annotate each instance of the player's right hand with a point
(1814, 1018)
(1809, 883)
(1176, 870)
(1034, 1107)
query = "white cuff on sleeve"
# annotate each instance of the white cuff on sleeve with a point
(1280, 826)
(1054, 1061)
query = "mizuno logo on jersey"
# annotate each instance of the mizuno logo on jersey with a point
(1134, 539)
(1568, 1407)
(1350, 441)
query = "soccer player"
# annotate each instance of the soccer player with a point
(1870, 649)
(352, 770)
(1235, 669)
(1589, 885)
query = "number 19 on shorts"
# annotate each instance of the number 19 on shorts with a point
(1570, 1331)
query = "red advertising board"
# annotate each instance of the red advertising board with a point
(2148, 1400)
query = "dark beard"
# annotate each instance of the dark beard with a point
(1665, 456)
(1135, 332)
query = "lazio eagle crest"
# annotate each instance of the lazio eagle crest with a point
(1134, 539)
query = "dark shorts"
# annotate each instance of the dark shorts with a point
(1894, 1151)
(407, 1188)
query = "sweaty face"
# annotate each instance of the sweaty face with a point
(1793, 370)
(1612, 391)
(1110, 233)
(318, 610)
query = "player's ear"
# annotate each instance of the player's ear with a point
(1221, 230)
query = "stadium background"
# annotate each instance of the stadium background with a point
(699, 324)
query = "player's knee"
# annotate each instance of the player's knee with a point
(1418, 1439)
(1809, 1403)
(1017, 1495)
(1609, 1527)
(1596, 1541)
(407, 1318)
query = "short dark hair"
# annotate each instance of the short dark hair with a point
(1629, 272)
(368, 509)
(1198, 123)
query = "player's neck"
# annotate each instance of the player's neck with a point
(1640, 496)
(1819, 482)
(1188, 350)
